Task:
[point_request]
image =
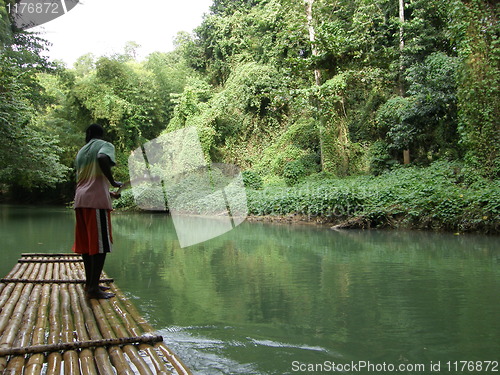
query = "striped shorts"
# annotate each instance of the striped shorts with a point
(92, 231)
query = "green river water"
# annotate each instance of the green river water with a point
(280, 299)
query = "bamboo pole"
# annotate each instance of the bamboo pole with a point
(13, 311)
(48, 255)
(29, 315)
(13, 321)
(74, 345)
(16, 364)
(42, 281)
(35, 260)
(116, 354)
(14, 270)
(158, 363)
(23, 335)
(132, 326)
(87, 364)
(10, 274)
(173, 359)
(9, 305)
(120, 330)
(8, 291)
(134, 329)
(169, 355)
(35, 362)
(54, 359)
(70, 357)
(101, 357)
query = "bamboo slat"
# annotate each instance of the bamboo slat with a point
(119, 330)
(23, 338)
(35, 362)
(54, 360)
(73, 345)
(101, 356)
(48, 255)
(133, 328)
(10, 274)
(87, 364)
(180, 367)
(8, 291)
(116, 354)
(23, 335)
(49, 281)
(69, 260)
(70, 357)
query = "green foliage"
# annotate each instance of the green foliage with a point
(190, 103)
(425, 120)
(5, 29)
(29, 154)
(303, 134)
(246, 79)
(432, 88)
(436, 197)
(252, 180)
(171, 73)
(125, 202)
(394, 117)
(293, 172)
(479, 99)
(379, 158)
(227, 39)
(124, 96)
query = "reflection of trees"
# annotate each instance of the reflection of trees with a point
(348, 287)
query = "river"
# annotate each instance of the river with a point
(281, 299)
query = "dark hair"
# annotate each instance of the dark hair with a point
(93, 131)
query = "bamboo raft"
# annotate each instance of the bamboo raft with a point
(48, 326)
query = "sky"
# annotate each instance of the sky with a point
(103, 27)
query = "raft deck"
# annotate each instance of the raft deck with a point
(48, 326)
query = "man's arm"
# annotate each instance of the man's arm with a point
(106, 164)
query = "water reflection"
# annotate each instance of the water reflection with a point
(387, 296)
(261, 296)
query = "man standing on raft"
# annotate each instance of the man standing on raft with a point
(93, 238)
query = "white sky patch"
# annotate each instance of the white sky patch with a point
(103, 27)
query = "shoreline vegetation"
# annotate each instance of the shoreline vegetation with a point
(442, 197)
(360, 114)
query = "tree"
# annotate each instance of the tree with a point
(477, 28)
(131, 48)
(25, 142)
(123, 96)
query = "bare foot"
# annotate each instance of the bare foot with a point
(101, 287)
(99, 295)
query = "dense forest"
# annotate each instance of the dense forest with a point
(364, 112)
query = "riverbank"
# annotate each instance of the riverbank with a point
(442, 197)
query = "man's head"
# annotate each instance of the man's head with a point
(93, 131)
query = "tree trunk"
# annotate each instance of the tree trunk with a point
(406, 153)
(317, 74)
(312, 38)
